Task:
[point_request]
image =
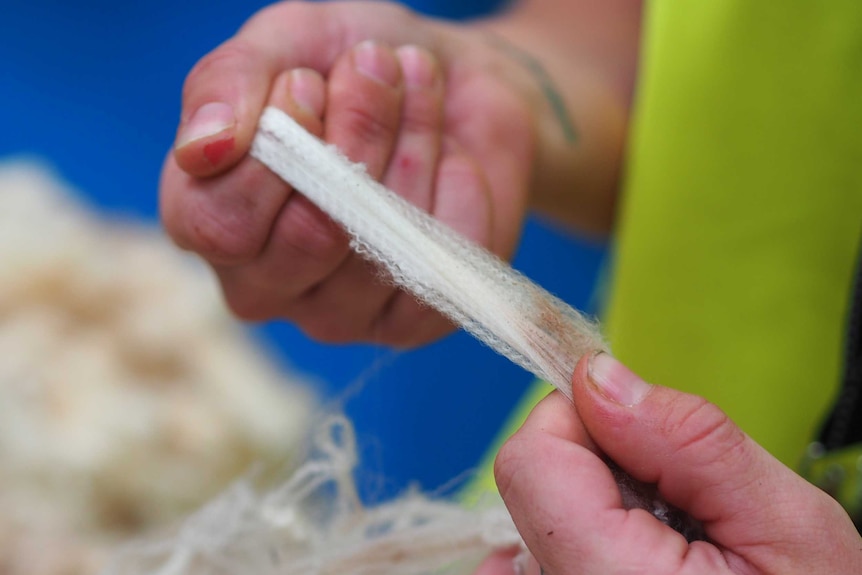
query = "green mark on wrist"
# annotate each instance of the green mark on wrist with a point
(543, 79)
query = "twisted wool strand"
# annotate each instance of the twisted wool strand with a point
(470, 285)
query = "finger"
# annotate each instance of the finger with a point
(703, 463)
(228, 220)
(364, 105)
(552, 427)
(401, 320)
(506, 146)
(679, 441)
(343, 307)
(223, 96)
(301, 240)
(411, 172)
(301, 249)
(564, 500)
(338, 296)
(557, 418)
(225, 221)
(568, 508)
(301, 93)
(462, 201)
(405, 322)
(225, 92)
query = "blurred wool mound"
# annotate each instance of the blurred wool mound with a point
(128, 396)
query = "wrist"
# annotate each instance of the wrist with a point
(579, 120)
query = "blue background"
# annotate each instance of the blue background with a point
(93, 87)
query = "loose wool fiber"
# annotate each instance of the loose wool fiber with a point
(315, 524)
(471, 286)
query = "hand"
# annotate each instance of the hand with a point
(418, 102)
(759, 516)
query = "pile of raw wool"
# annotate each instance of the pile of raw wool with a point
(134, 412)
(315, 524)
(128, 396)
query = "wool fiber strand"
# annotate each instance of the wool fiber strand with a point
(467, 283)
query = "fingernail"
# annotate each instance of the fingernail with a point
(615, 381)
(306, 91)
(209, 120)
(377, 62)
(418, 66)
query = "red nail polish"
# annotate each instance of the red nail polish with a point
(216, 151)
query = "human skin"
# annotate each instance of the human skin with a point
(459, 119)
(759, 516)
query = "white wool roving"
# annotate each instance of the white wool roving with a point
(474, 288)
(314, 524)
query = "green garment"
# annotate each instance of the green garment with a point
(742, 210)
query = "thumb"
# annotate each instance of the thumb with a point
(700, 461)
(225, 92)
(223, 97)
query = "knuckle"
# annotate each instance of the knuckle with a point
(175, 231)
(323, 318)
(216, 238)
(330, 329)
(699, 426)
(171, 194)
(285, 12)
(510, 458)
(248, 305)
(172, 221)
(421, 114)
(227, 223)
(307, 231)
(275, 12)
(368, 126)
(228, 56)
